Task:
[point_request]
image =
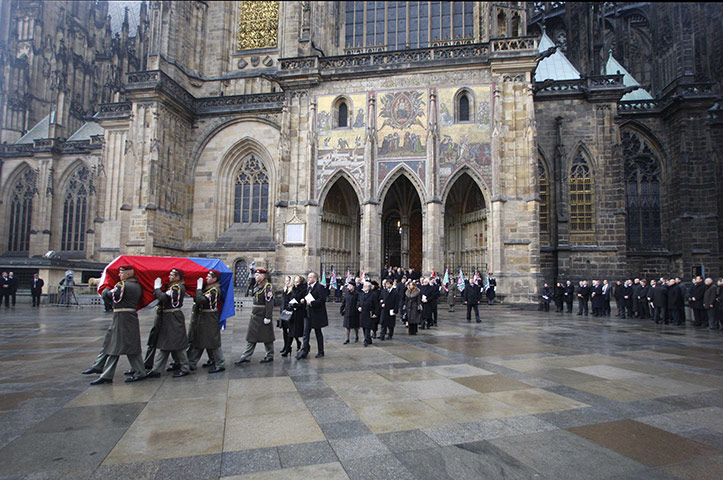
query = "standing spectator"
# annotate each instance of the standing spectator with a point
(413, 307)
(569, 295)
(719, 304)
(597, 298)
(559, 295)
(451, 287)
(635, 298)
(659, 297)
(628, 298)
(349, 310)
(583, 297)
(642, 299)
(368, 308)
(376, 297)
(491, 289)
(675, 302)
(606, 298)
(619, 295)
(545, 298)
(709, 303)
(36, 289)
(251, 280)
(471, 295)
(13, 287)
(5, 289)
(389, 304)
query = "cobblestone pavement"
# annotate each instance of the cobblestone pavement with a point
(522, 395)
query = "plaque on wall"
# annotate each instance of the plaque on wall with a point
(294, 234)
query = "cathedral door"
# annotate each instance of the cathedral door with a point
(402, 226)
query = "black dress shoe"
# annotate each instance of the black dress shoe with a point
(180, 373)
(357, 340)
(216, 370)
(134, 378)
(381, 338)
(345, 342)
(241, 360)
(129, 372)
(267, 360)
(285, 353)
(101, 381)
(479, 321)
(173, 368)
(319, 355)
(301, 354)
(91, 370)
(153, 374)
(209, 365)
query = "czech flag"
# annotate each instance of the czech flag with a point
(147, 269)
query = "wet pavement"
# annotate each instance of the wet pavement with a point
(522, 395)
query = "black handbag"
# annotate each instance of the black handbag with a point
(286, 315)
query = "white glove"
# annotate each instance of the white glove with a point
(199, 283)
(157, 283)
(267, 321)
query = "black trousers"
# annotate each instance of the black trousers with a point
(36, 299)
(367, 336)
(699, 317)
(383, 333)
(569, 306)
(558, 305)
(413, 328)
(469, 312)
(307, 333)
(676, 318)
(620, 306)
(582, 306)
(5, 298)
(660, 314)
(434, 314)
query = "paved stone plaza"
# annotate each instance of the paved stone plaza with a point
(522, 395)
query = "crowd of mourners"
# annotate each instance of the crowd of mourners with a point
(663, 300)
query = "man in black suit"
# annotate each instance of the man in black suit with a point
(389, 304)
(675, 300)
(619, 295)
(316, 317)
(471, 296)
(697, 291)
(606, 298)
(569, 295)
(5, 289)
(583, 297)
(36, 289)
(658, 295)
(13, 287)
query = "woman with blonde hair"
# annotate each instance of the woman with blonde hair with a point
(296, 321)
(286, 314)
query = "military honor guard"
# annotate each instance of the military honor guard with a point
(260, 328)
(205, 330)
(124, 335)
(172, 336)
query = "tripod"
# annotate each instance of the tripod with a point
(65, 297)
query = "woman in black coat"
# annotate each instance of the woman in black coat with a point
(377, 294)
(368, 311)
(426, 298)
(412, 305)
(296, 323)
(286, 297)
(349, 310)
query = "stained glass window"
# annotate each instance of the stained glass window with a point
(75, 211)
(582, 222)
(21, 212)
(642, 192)
(251, 193)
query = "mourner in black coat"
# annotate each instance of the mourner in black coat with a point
(368, 311)
(675, 303)
(545, 297)
(558, 295)
(389, 304)
(569, 295)
(36, 289)
(697, 291)
(349, 310)
(316, 317)
(658, 295)
(583, 297)
(471, 295)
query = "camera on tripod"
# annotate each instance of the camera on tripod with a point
(67, 290)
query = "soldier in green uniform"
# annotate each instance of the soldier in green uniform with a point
(172, 337)
(124, 335)
(260, 328)
(205, 331)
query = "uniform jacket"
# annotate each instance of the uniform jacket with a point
(263, 307)
(172, 329)
(205, 330)
(124, 335)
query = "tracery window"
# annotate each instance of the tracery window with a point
(582, 224)
(463, 107)
(75, 211)
(251, 193)
(642, 192)
(342, 115)
(21, 212)
(258, 25)
(543, 183)
(400, 25)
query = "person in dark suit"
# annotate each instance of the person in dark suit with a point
(642, 299)
(569, 295)
(349, 311)
(606, 298)
(5, 289)
(296, 323)
(316, 317)
(597, 298)
(658, 295)
(36, 289)
(628, 298)
(491, 289)
(675, 299)
(368, 308)
(428, 293)
(709, 303)
(471, 295)
(619, 295)
(583, 297)
(389, 304)
(13, 282)
(545, 298)
(697, 291)
(558, 295)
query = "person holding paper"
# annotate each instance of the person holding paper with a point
(296, 324)
(316, 317)
(389, 303)
(260, 328)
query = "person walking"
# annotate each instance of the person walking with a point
(260, 328)
(172, 335)
(316, 316)
(389, 304)
(36, 289)
(205, 331)
(296, 323)
(286, 313)
(413, 307)
(124, 335)
(349, 310)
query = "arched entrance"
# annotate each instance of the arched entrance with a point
(465, 227)
(402, 226)
(340, 227)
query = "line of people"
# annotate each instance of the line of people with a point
(661, 300)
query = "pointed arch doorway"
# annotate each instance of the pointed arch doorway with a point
(402, 226)
(340, 229)
(465, 227)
